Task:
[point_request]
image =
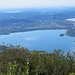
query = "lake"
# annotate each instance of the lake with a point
(47, 40)
(71, 19)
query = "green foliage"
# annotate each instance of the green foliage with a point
(20, 61)
(72, 74)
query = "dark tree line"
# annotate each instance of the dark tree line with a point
(21, 61)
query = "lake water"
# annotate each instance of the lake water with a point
(71, 19)
(47, 40)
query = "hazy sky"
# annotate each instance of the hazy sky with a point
(36, 3)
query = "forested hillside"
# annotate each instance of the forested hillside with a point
(21, 61)
(36, 19)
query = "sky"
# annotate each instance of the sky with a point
(36, 3)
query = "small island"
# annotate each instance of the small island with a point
(62, 35)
